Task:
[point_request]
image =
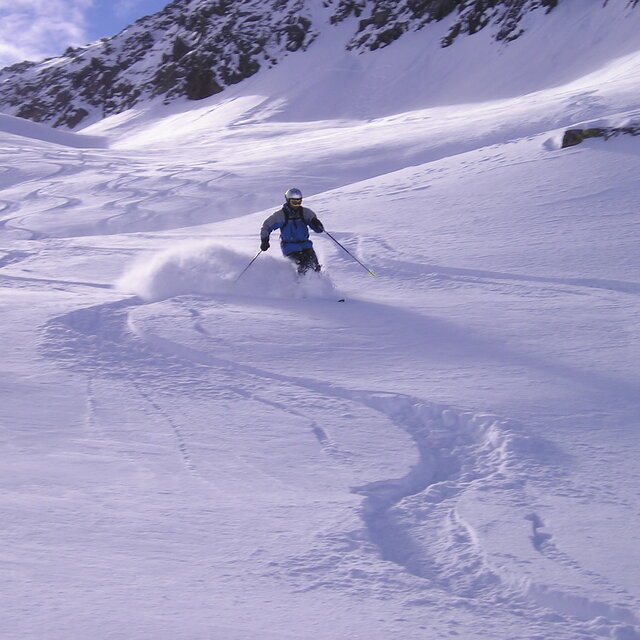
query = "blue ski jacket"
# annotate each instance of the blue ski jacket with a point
(294, 228)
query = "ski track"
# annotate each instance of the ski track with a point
(542, 540)
(11, 257)
(411, 522)
(412, 270)
(125, 197)
(175, 427)
(321, 435)
(475, 275)
(36, 283)
(90, 418)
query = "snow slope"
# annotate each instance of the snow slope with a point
(12, 126)
(451, 453)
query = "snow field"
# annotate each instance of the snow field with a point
(449, 454)
(394, 522)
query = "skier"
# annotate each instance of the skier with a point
(293, 221)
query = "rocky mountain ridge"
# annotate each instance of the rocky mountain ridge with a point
(196, 48)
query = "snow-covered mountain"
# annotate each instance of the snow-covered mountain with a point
(449, 454)
(196, 48)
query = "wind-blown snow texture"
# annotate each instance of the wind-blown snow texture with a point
(451, 453)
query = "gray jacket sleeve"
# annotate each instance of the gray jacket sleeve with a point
(273, 222)
(308, 215)
(313, 221)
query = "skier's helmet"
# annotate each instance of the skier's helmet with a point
(294, 197)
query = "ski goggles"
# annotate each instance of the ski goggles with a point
(295, 201)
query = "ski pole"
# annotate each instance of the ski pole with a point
(245, 269)
(349, 252)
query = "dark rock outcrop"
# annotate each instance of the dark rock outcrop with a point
(384, 21)
(196, 48)
(193, 48)
(573, 137)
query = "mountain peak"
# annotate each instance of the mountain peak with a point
(197, 48)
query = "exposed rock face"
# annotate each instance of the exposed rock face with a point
(196, 48)
(573, 137)
(192, 48)
(387, 20)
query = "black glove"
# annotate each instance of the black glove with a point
(264, 245)
(316, 225)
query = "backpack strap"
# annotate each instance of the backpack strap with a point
(287, 215)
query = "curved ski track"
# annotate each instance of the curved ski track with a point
(118, 193)
(412, 522)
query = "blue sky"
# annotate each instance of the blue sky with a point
(36, 29)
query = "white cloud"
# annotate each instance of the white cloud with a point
(36, 29)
